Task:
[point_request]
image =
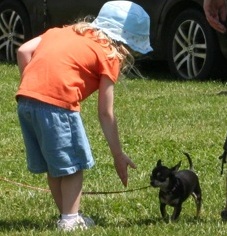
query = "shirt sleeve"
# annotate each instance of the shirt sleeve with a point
(110, 68)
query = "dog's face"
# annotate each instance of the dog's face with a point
(160, 175)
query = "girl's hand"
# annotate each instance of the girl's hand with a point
(121, 163)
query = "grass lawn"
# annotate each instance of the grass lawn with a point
(159, 118)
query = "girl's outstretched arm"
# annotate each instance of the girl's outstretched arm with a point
(109, 126)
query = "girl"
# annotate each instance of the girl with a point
(61, 68)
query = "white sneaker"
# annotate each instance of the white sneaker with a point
(80, 222)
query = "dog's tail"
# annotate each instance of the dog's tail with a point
(189, 160)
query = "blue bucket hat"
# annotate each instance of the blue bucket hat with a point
(126, 22)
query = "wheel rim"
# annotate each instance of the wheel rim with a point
(12, 31)
(189, 49)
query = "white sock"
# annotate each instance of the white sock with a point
(68, 216)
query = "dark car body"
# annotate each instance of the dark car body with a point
(179, 31)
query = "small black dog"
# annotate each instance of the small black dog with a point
(175, 187)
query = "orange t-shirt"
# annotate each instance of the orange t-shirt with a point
(66, 68)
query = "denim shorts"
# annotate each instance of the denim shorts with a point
(54, 138)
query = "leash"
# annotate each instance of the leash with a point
(114, 192)
(84, 193)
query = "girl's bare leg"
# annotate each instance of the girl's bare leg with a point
(66, 192)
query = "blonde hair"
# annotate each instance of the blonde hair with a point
(114, 49)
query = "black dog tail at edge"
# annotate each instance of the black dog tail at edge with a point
(189, 160)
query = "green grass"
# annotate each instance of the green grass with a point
(158, 118)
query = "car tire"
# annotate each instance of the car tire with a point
(192, 46)
(14, 29)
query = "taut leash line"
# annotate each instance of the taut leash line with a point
(114, 192)
(84, 192)
(24, 185)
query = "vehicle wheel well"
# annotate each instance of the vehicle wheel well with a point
(15, 28)
(192, 46)
(169, 20)
(22, 7)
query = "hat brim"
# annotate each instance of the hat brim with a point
(138, 43)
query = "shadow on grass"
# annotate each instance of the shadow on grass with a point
(26, 224)
(159, 70)
(126, 223)
(29, 224)
(18, 225)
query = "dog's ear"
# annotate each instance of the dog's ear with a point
(176, 167)
(159, 163)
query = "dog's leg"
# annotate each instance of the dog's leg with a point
(176, 212)
(163, 210)
(198, 201)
